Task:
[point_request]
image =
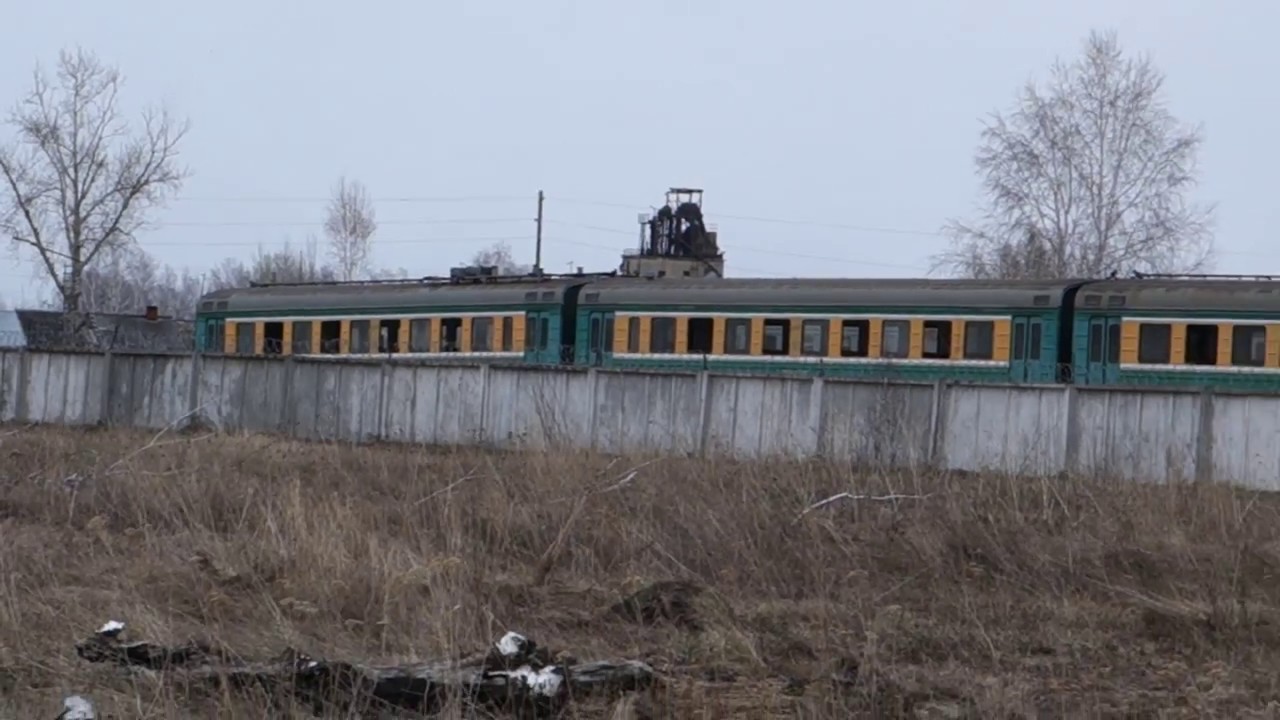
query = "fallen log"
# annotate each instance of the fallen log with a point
(515, 675)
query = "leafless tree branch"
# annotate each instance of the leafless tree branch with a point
(77, 182)
(499, 255)
(1086, 177)
(350, 224)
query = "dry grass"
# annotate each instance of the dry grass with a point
(1014, 598)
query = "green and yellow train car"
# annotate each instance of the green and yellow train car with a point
(901, 328)
(518, 322)
(1185, 332)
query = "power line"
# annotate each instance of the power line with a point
(403, 199)
(313, 223)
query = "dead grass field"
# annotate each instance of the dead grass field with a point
(989, 597)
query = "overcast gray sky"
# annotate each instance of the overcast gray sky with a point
(850, 125)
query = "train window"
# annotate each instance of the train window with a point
(530, 332)
(1249, 345)
(420, 335)
(508, 334)
(244, 338)
(1113, 343)
(359, 337)
(937, 339)
(737, 336)
(813, 337)
(330, 336)
(609, 331)
(979, 340)
(1037, 338)
(777, 336)
(482, 334)
(215, 335)
(1095, 342)
(853, 337)
(662, 335)
(544, 333)
(1019, 341)
(389, 336)
(450, 334)
(698, 332)
(273, 338)
(895, 339)
(1201, 346)
(1153, 343)
(301, 337)
(633, 335)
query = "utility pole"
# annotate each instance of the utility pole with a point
(537, 249)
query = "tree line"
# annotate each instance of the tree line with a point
(1088, 174)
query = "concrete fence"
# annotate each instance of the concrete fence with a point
(1136, 434)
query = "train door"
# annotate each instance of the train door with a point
(599, 337)
(1103, 351)
(538, 347)
(1019, 349)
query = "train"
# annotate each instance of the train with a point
(1208, 332)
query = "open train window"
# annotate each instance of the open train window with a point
(508, 334)
(777, 336)
(1201, 346)
(359, 337)
(937, 339)
(420, 335)
(895, 339)
(389, 336)
(330, 336)
(662, 335)
(244, 338)
(698, 332)
(813, 337)
(737, 336)
(450, 334)
(301, 337)
(482, 334)
(633, 335)
(272, 338)
(853, 338)
(1153, 343)
(979, 340)
(1249, 345)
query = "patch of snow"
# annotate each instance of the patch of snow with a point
(512, 644)
(75, 707)
(112, 627)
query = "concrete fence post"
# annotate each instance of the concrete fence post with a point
(108, 365)
(1070, 430)
(593, 397)
(935, 425)
(483, 411)
(1204, 439)
(704, 412)
(21, 385)
(817, 392)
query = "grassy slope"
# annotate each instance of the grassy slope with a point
(1030, 598)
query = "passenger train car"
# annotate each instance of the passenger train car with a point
(1146, 331)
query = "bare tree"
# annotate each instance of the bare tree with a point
(127, 279)
(350, 223)
(499, 255)
(1087, 177)
(77, 182)
(288, 264)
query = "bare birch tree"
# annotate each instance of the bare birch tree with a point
(76, 181)
(350, 223)
(1086, 177)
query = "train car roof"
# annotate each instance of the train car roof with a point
(886, 292)
(1183, 294)
(384, 295)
